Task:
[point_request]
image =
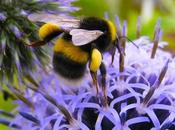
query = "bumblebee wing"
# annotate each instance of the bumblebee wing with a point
(64, 22)
(82, 36)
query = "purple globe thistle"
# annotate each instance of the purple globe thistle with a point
(140, 90)
(16, 30)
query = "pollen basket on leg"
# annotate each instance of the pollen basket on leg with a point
(96, 60)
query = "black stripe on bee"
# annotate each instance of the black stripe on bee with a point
(67, 67)
(52, 35)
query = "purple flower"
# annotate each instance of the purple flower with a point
(140, 95)
(17, 30)
(143, 99)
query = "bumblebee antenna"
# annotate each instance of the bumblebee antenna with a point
(129, 41)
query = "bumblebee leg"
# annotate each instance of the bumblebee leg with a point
(103, 81)
(95, 82)
(94, 64)
(117, 45)
(113, 50)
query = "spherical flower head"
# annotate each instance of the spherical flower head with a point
(139, 96)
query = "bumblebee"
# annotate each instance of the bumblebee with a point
(80, 43)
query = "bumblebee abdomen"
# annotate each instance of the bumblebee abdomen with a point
(69, 61)
(70, 51)
(68, 68)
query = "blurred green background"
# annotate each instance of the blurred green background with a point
(149, 10)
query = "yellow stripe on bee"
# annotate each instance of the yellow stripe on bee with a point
(47, 29)
(96, 59)
(70, 51)
(113, 30)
